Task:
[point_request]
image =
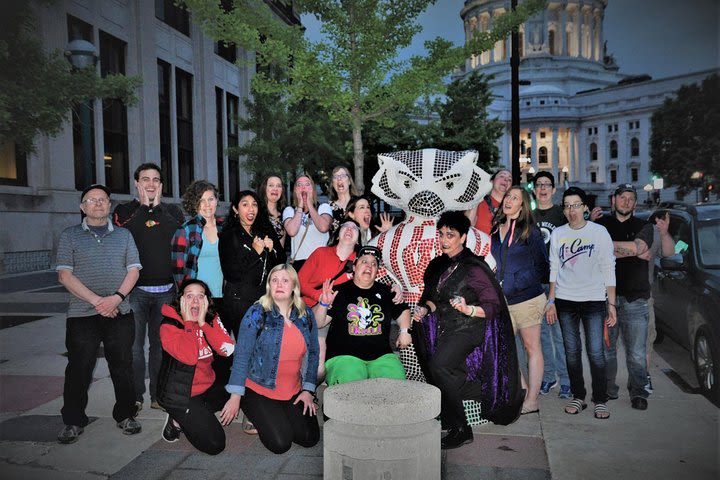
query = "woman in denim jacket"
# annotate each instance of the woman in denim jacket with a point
(275, 366)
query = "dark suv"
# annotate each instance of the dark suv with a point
(687, 289)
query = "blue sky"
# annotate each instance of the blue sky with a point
(658, 37)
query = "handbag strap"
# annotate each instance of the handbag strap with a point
(307, 227)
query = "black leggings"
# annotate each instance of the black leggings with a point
(280, 423)
(199, 424)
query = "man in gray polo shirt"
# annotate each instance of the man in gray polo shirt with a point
(99, 265)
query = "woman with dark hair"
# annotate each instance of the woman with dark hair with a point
(464, 335)
(275, 366)
(306, 222)
(249, 249)
(195, 244)
(359, 210)
(190, 332)
(272, 196)
(522, 264)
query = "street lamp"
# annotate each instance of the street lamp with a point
(565, 171)
(648, 188)
(81, 55)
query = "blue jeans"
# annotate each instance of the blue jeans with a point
(553, 351)
(592, 315)
(148, 317)
(632, 325)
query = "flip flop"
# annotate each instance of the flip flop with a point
(601, 411)
(525, 411)
(576, 405)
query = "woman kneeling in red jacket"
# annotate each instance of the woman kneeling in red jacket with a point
(190, 331)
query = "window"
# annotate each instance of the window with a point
(542, 134)
(613, 149)
(164, 99)
(595, 130)
(225, 50)
(551, 41)
(13, 165)
(593, 177)
(590, 131)
(177, 17)
(183, 100)
(542, 102)
(631, 125)
(83, 124)
(634, 174)
(593, 151)
(232, 141)
(542, 155)
(115, 128)
(634, 147)
(609, 128)
(613, 176)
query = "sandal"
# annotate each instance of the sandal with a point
(248, 427)
(601, 411)
(575, 406)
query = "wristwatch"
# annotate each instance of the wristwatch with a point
(405, 330)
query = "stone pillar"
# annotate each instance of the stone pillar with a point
(563, 31)
(571, 154)
(534, 148)
(381, 428)
(555, 159)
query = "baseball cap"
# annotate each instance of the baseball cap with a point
(625, 187)
(370, 250)
(92, 187)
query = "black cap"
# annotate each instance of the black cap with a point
(92, 187)
(546, 174)
(625, 187)
(370, 250)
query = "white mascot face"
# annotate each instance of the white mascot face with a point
(430, 181)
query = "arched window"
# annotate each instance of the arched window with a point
(634, 147)
(542, 155)
(551, 41)
(593, 151)
(613, 149)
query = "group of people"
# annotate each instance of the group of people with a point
(238, 316)
(563, 265)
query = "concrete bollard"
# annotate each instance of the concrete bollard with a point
(381, 429)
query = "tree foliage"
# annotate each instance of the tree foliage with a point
(464, 122)
(37, 89)
(354, 72)
(684, 135)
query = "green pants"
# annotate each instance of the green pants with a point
(346, 368)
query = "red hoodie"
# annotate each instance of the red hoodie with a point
(192, 344)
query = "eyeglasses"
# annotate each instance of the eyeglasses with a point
(349, 225)
(96, 201)
(192, 296)
(303, 184)
(574, 206)
(340, 176)
(541, 186)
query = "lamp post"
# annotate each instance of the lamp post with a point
(648, 188)
(699, 178)
(81, 55)
(565, 171)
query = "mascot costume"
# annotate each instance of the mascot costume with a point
(425, 183)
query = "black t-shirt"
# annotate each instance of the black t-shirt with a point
(631, 273)
(361, 320)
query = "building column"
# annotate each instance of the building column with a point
(573, 170)
(563, 33)
(555, 159)
(534, 148)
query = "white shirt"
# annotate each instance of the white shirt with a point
(314, 237)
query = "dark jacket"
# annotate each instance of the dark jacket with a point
(522, 265)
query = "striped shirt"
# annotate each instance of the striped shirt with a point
(100, 262)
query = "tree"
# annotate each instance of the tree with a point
(354, 73)
(38, 90)
(684, 136)
(464, 122)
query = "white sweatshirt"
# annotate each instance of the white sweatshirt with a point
(582, 262)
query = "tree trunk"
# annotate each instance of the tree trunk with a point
(358, 156)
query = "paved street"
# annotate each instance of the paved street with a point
(677, 437)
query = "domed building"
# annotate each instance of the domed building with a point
(580, 117)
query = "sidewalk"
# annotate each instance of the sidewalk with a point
(677, 437)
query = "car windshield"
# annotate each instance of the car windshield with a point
(709, 243)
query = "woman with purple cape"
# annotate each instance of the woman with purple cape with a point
(464, 335)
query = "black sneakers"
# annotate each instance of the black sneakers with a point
(130, 426)
(70, 434)
(171, 433)
(456, 437)
(639, 403)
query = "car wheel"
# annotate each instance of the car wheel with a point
(707, 363)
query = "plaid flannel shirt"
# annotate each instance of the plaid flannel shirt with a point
(186, 246)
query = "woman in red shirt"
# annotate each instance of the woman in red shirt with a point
(189, 333)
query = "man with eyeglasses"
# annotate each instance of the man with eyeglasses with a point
(548, 217)
(632, 238)
(152, 225)
(99, 265)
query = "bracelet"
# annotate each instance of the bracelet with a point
(323, 304)
(472, 311)
(122, 297)
(551, 301)
(612, 304)
(405, 330)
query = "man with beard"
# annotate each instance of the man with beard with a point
(632, 237)
(152, 225)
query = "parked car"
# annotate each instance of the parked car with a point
(687, 289)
